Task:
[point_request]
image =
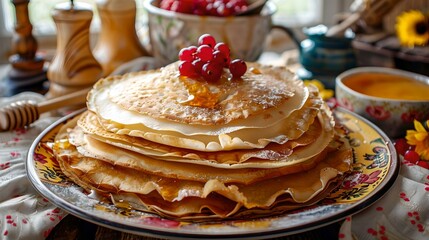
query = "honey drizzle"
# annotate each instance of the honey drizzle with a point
(200, 94)
(62, 144)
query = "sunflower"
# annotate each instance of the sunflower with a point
(419, 138)
(412, 28)
(324, 93)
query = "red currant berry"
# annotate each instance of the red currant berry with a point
(187, 69)
(223, 48)
(210, 10)
(237, 6)
(182, 6)
(198, 65)
(187, 54)
(237, 68)
(401, 146)
(411, 156)
(227, 61)
(205, 53)
(241, 3)
(166, 4)
(207, 39)
(224, 11)
(211, 71)
(200, 7)
(217, 4)
(219, 57)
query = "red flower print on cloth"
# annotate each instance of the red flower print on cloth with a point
(426, 184)
(378, 112)
(345, 229)
(15, 154)
(17, 224)
(4, 166)
(414, 218)
(404, 197)
(345, 103)
(426, 187)
(21, 131)
(10, 221)
(380, 233)
(55, 214)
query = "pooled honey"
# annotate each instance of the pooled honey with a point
(388, 86)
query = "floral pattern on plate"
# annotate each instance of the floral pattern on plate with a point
(374, 171)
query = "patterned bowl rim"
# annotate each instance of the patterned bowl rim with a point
(269, 10)
(384, 70)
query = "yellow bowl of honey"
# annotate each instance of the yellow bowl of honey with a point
(390, 98)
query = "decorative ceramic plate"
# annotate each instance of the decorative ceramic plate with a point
(375, 169)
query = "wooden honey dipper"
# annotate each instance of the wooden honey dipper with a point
(23, 113)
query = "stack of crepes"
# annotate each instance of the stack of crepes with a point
(190, 149)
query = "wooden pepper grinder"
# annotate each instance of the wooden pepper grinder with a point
(118, 42)
(73, 67)
(27, 71)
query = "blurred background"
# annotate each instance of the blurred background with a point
(292, 13)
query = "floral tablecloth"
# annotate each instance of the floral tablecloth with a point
(24, 214)
(403, 213)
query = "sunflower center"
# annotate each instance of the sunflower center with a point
(421, 28)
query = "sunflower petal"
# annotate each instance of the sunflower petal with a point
(419, 126)
(421, 136)
(411, 137)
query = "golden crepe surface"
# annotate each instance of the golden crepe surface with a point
(243, 108)
(189, 149)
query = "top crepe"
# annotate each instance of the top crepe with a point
(163, 107)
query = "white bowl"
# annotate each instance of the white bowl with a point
(393, 116)
(169, 32)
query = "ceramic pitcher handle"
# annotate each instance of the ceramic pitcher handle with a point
(288, 32)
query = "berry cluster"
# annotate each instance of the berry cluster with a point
(408, 152)
(220, 8)
(208, 60)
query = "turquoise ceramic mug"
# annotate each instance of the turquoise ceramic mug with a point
(324, 56)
